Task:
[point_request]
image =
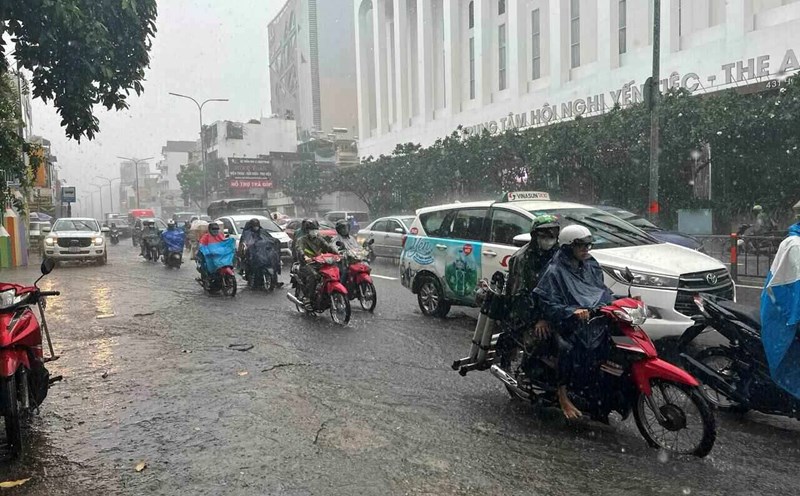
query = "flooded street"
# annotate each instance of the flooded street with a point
(154, 372)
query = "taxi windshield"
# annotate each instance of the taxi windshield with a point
(608, 230)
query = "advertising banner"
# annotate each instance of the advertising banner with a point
(250, 183)
(250, 168)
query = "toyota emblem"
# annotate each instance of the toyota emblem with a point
(711, 279)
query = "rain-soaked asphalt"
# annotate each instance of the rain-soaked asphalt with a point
(373, 408)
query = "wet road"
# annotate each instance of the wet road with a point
(373, 408)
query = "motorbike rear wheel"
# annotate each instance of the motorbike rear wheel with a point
(229, 285)
(8, 394)
(340, 308)
(685, 411)
(367, 296)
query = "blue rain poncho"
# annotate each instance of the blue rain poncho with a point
(218, 255)
(780, 314)
(174, 240)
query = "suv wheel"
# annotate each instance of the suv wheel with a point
(430, 298)
(103, 260)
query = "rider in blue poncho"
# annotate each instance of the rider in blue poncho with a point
(780, 313)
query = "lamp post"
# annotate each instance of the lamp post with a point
(100, 191)
(202, 144)
(655, 135)
(136, 169)
(110, 190)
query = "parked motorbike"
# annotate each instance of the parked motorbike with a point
(736, 375)
(114, 236)
(24, 380)
(358, 278)
(173, 248)
(667, 405)
(330, 294)
(215, 264)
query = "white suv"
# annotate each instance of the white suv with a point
(76, 239)
(451, 247)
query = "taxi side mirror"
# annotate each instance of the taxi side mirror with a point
(521, 240)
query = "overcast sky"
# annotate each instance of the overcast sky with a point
(203, 48)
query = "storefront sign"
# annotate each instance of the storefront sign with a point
(250, 169)
(743, 72)
(250, 183)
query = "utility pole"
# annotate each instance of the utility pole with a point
(136, 169)
(110, 192)
(202, 144)
(655, 145)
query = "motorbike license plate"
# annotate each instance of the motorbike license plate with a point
(74, 249)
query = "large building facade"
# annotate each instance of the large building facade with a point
(427, 67)
(313, 66)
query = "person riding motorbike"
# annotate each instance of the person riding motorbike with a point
(310, 245)
(253, 235)
(150, 234)
(349, 246)
(569, 290)
(780, 312)
(214, 235)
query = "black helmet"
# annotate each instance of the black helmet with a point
(310, 225)
(343, 227)
(171, 224)
(255, 223)
(213, 226)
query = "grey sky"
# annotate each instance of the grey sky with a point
(203, 48)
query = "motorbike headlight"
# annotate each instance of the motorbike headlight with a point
(10, 298)
(636, 316)
(98, 240)
(49, 241)
(645, 279)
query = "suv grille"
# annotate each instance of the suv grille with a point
(67, 242)
(715, 282)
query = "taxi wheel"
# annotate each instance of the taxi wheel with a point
(430, 298)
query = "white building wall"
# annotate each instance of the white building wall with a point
(707, 45)
(271, 135)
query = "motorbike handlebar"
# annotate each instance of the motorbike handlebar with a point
(49, 293)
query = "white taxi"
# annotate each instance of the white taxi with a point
(449, 248)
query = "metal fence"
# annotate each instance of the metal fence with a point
(746, 256)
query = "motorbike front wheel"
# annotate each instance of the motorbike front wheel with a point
(688, 426)
(229, 285)
(340, 308)
(367, 296)
(8, 394)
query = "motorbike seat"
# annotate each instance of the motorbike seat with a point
(747, 314)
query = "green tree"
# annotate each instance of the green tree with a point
(305, 185)
(191, 179)
(80, 52)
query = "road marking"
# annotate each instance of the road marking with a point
(385, 277)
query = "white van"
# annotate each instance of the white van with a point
(451, 247)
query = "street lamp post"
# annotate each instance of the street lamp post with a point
(110, 190)
(100, 191)
(136, 169)
(202, 144)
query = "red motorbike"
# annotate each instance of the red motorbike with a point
(358, 276)
(24, 380)
(666, 401)
(330, 294)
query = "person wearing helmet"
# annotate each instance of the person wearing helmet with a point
(762, 222)
(343, 236)
(150, 234)
(259, 249)
(214, 234)
(308, 246)
(569, 290)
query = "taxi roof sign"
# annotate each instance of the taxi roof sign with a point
(513, 196)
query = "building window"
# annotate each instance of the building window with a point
(501, 7)
(471, 14)
(575, 32)
(536, 44)
(472, 68)
(501, 56)
(623, 28)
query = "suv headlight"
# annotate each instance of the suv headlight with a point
(50, 241)
(644, 279)
(99, 240)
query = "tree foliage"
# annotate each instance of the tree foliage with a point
(80, 52)
(13, 149)
(191, 180)
(753, 141)
(305, 185)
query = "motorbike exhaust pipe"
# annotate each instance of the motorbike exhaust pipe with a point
(469, 367)
(508, 381)
(713, 379)
(294, 300)
(476, 336)
(486, 339)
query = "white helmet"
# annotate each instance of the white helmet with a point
(570, 234)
